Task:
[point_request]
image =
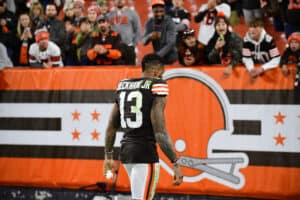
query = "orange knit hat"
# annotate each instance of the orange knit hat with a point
(294, 36)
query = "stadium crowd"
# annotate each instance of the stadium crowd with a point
(57, 33)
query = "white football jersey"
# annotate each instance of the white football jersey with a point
(51, 54)
(207, 25)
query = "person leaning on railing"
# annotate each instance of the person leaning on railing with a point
(225, 47)
(190, 50)
(260, 52)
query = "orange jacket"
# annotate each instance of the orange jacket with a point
(112, 42)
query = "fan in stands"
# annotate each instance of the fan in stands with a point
(44, 53)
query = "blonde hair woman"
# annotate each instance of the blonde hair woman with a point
(26, 38)
(36, 14)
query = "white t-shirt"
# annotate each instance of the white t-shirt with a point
(207, 25)
(51, 54)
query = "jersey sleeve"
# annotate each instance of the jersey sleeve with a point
(160, 88)
(246, 52)
(32, 54)
(273, 50)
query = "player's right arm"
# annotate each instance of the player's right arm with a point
(162, 137)
(113, 126)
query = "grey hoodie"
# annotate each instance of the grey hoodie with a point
(127, 23)
(4, 59)
(165, 47)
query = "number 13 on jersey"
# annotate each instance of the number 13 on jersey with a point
(134, 99)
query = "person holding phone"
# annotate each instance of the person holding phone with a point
(225, 47)
(25, 39)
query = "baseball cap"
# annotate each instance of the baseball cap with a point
(188, 32)
(158, 2)
(102, 18)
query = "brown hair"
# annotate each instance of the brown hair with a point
(219, 18)
(256, 22)
(36, 5)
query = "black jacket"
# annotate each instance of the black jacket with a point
(231, 53)
(57, 32)
(8, 33)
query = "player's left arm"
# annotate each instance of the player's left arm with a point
(113, 125)
(162, 137)
(158, 123)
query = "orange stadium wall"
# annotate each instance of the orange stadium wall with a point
(235, 136)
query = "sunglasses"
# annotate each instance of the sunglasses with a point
(188, 33)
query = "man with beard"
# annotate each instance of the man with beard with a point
(161, 31)
(127, 22)
(44, 53)
(105, 47)
(56, 28)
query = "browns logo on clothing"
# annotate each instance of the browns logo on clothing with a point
(112, 42)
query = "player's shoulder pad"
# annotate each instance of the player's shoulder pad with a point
(125, 79)
(160, 87)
